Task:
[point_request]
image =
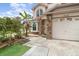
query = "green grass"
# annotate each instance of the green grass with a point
(14, 50)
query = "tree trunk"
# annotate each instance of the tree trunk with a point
(26, 28)
(26, 32)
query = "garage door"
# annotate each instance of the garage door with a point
(65, 29)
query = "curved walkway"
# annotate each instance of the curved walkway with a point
(44, 47)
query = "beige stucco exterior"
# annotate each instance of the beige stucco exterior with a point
(60, 22)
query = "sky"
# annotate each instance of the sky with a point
(13, 9)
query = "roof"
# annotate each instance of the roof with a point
(57, 6)
(41, 4)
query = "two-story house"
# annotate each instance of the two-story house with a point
(44, 25)
(59, 21)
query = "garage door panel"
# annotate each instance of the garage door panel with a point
(66, 29)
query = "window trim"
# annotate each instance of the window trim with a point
(38, 12)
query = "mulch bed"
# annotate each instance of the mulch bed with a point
(13, 41)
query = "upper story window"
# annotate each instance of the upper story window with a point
(39, 12)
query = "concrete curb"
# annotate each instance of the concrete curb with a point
(37, 51)
(30, 51)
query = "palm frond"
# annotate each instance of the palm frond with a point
(25, 14)
(22, 15)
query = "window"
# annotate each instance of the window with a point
(37, 13)
(76, 18)
(34, 26)
(41, 11)
(70, 19)
(61, 19)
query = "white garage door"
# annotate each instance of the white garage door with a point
(66, 29)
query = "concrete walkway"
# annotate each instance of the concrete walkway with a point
(43, 47)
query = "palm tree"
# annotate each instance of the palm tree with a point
(24, 16)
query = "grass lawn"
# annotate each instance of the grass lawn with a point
(14, 50)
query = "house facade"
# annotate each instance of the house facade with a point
(59, 21)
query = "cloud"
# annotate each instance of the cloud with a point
(20, 8)
(16, 8)
(8, 13)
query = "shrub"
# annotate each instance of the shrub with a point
(9, 26)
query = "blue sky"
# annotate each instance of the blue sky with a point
(13, 9)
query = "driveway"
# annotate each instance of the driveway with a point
(44, 47)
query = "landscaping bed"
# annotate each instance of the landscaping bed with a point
(14, 50)
(10, 31)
